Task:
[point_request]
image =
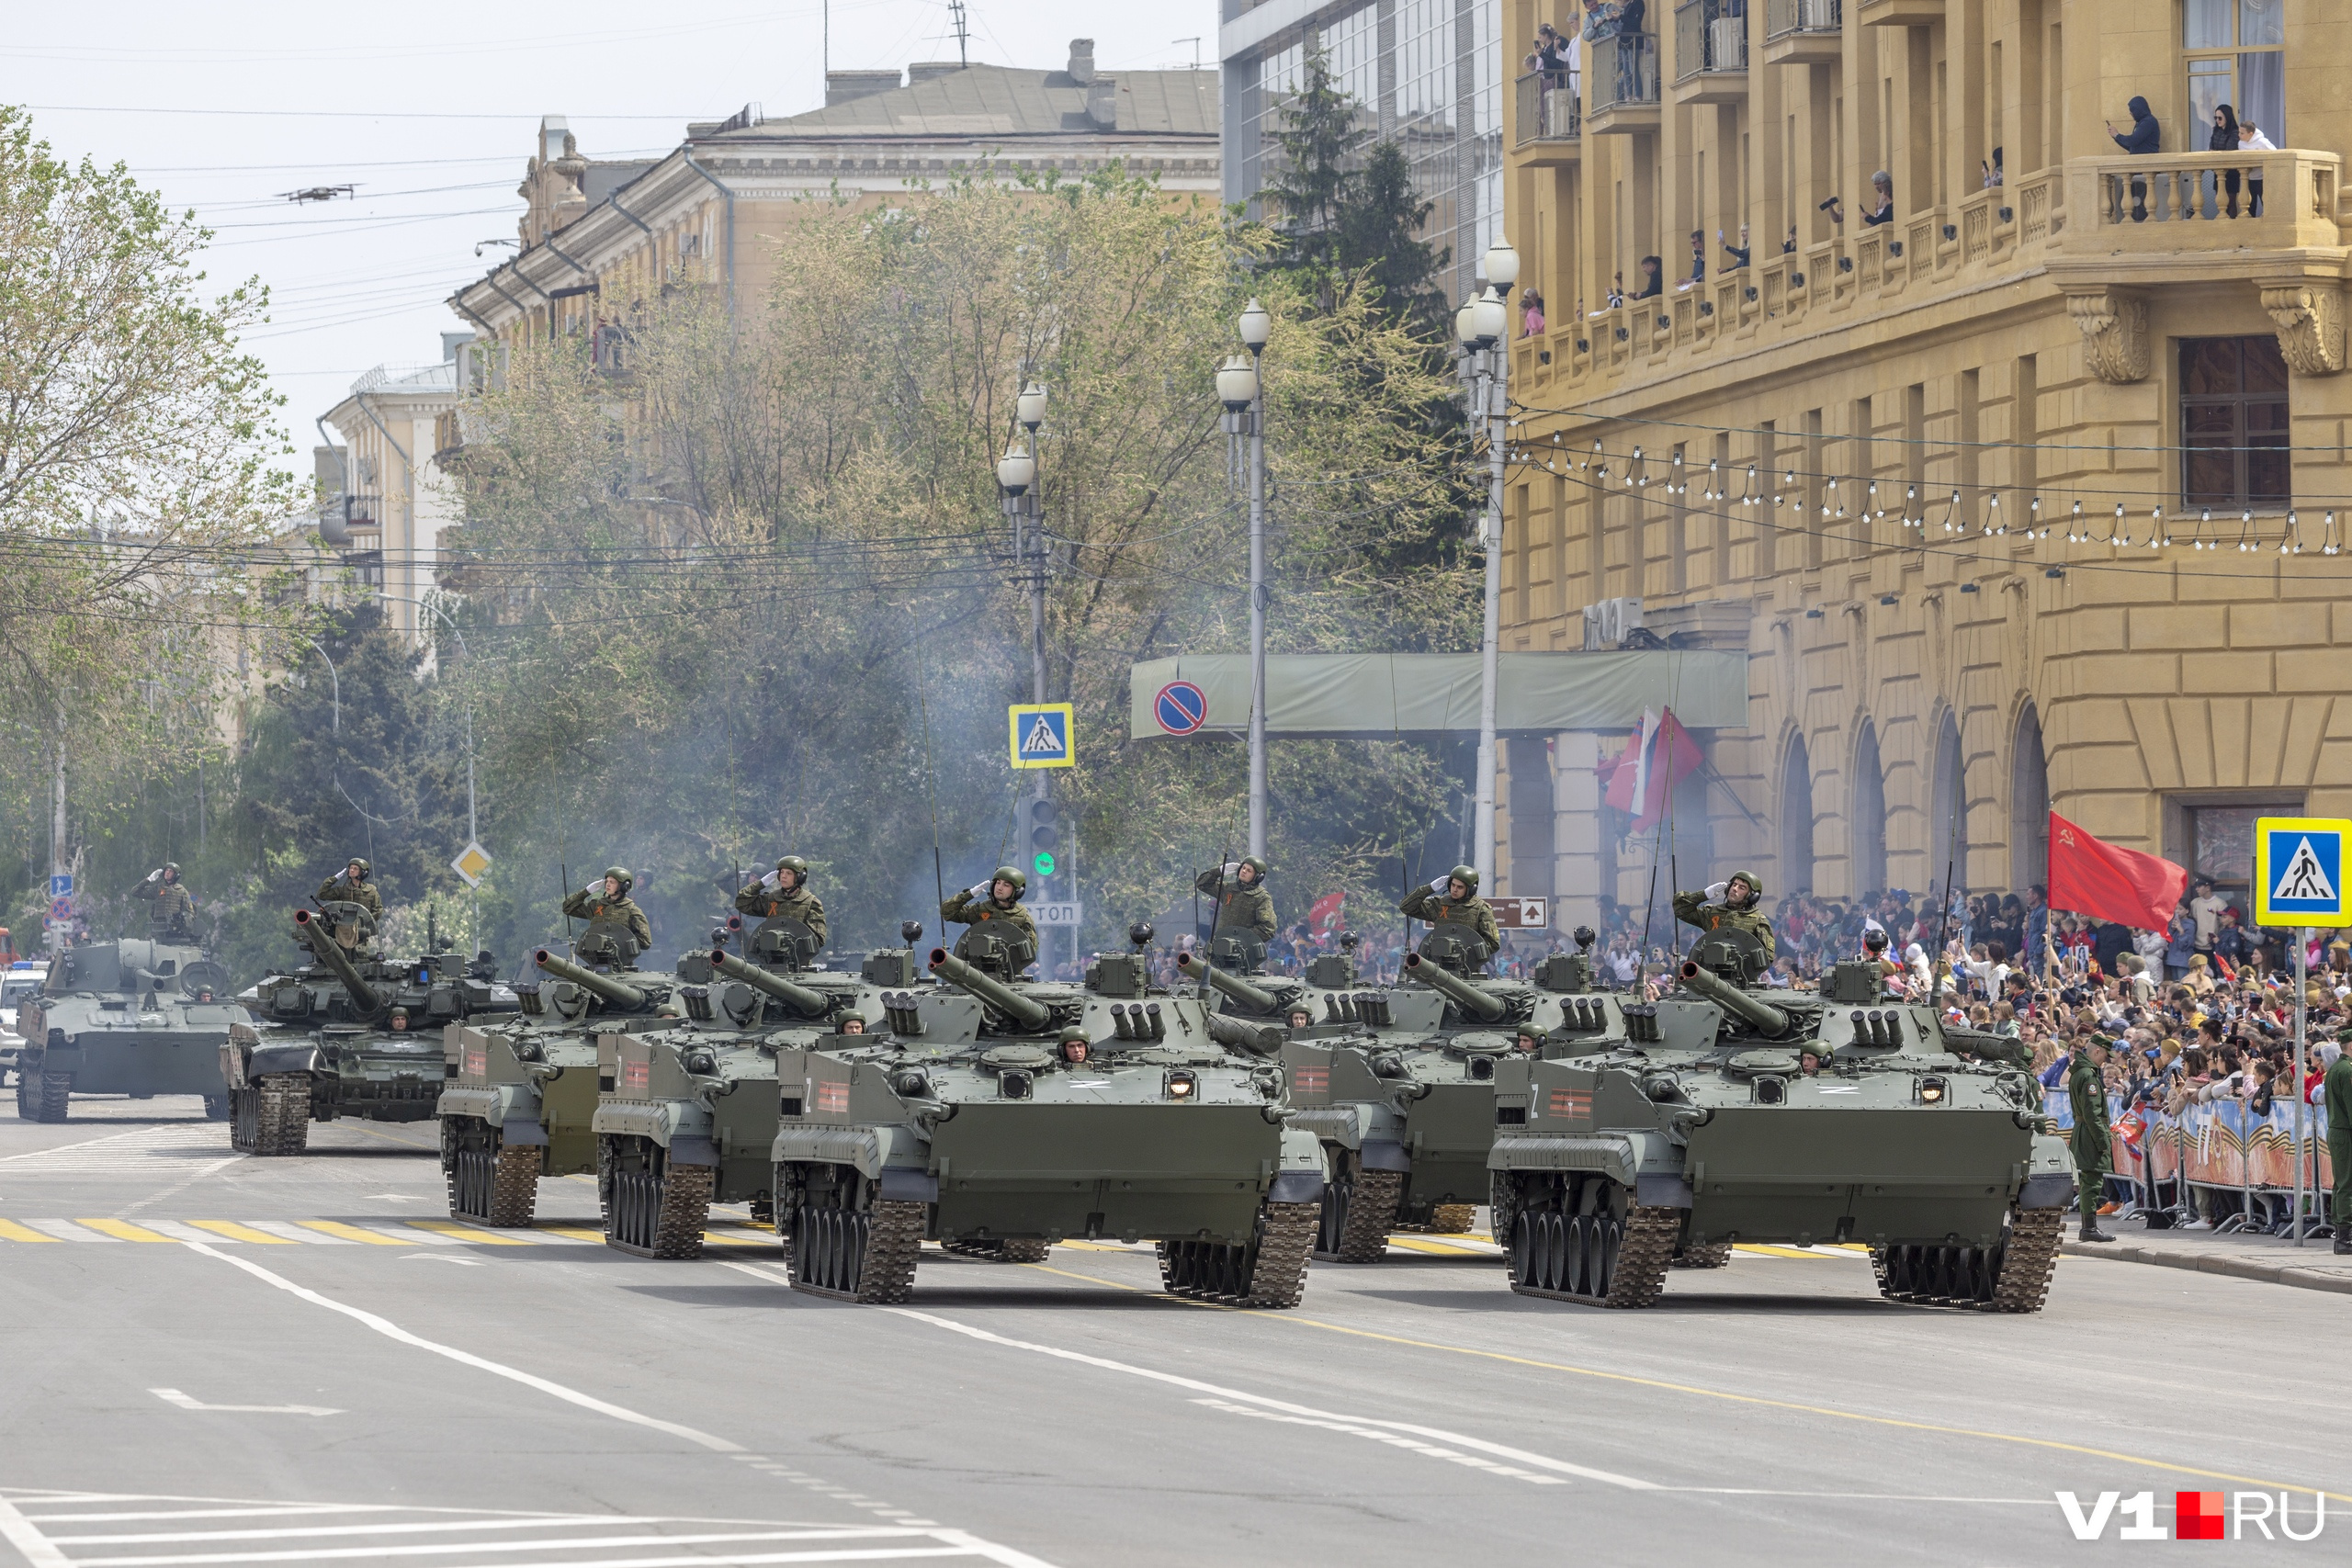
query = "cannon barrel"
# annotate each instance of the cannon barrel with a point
(310, 929)
(989, 988)
(1258, 1039)
(1465, 995)
(620, 993)
(1730, 998)
(1257, 999)
(800, 998)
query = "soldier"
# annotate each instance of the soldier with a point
(350, 885)
(2094, 1156)
(783, 894)
(1243, 906)
(610, 906)
(1455, 896)
(173, 915)
(1732, 903)
(1532, 1040)
(2336, 1099)
(999, 899)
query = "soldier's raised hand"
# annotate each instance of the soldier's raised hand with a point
(978, 890)
(1440, 884)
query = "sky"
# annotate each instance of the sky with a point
(428, 109)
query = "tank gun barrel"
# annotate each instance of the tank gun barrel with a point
(1257, 999)
(800, 998)
(620, 993)
(313, 932)
(1464, 995)
(989, 988)
(1731, 999)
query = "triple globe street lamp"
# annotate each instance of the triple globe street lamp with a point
(1482, 326)
(1241, 388)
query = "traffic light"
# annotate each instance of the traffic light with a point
(1044, 839)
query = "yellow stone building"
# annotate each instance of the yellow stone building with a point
(2100, 328)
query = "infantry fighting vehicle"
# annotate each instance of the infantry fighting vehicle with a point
(999, 1116)
(1734, 1113)
(1398, 1083)
(689, 1117)
(134, 1017)
(521, 1100)
(349, 1033)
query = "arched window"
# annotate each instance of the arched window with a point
(1948, 827)
(1796, 819)
(1866, 827)
(2028, 803)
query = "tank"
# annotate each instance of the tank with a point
(688, 1116)
(1732, 1114)
(1399, 1087)
(134, 1017)
(997, 1116)
(349, 1033)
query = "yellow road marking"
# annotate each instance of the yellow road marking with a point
(466, 1232)
(349, 1233)
(236, 1232)
(1048, 1268)
(1767, 1250)
(123, 1230)
(575, 1232)
(11, 1230)
(719, 1238)
(1442, 1248)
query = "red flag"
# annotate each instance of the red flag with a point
(2092, 877)
(1674, 756)
(1325, 914)
(1618, 773)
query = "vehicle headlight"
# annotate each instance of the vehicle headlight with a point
(1182, 1086)
(1933, 1091)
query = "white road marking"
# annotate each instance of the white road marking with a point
(66, 1230)
(292, 1232)
(391, 1330)
(441, 1257)
(180, 1230)
(31, 1544)
(430, 1527)
(449, 1549)
(1395, 1440)
(185, 1402)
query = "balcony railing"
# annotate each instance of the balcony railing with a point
(1710, 35)
(1624, 73)
(2180, 201)
(1785, 17)
(1547, 107)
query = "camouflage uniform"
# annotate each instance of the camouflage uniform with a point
(1240, 907)
(2094, 1154)
(1693, 909)
(775, 904)
(174, 913)
(591, 904)
(1421, 904)
(966, 909)
(340, 889)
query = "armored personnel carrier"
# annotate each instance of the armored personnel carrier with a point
(140, 1017)
(349, 1033)
(1731, 1114)
(689, 1117)
(1399, 1085)
(999, 1116)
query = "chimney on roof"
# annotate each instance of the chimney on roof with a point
(840, 86)
(1102, 103)
(923, 71)
(1082, 61)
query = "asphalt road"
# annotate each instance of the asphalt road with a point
(413, 1396)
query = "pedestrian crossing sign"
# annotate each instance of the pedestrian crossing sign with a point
(1041, 735)
(2298, 871)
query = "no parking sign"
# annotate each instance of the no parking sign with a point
(1180, 708)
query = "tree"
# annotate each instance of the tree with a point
(1320, 139)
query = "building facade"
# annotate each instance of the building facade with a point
(384, 499)
(1427, 75)
(2018, 471)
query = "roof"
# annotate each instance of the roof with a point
(996, 100)
(602, 180)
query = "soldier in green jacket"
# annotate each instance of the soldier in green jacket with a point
(172, 917)
(1243, 906)
(1736, 904)
(609, 907)
(2336, 1098)
(783, 895)
(996, 901)
(1454, 898)
(351, 885)
(2094, 1154)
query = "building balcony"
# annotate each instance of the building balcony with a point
(1621, 89)
(1549, 128)
(1711, 52)
(1802, 32)
(1899, 13)
(2168, 213)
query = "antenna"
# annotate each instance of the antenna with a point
(1194, 41)
(963, 31)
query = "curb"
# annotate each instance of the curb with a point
(2214, 1263)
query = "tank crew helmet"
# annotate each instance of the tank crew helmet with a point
(798, 867)
(1073, 1043)
(172, 870)
(1531, 1038)
(1465, 874)
(1256, 867)
(1755, 889)
(366, 870)
(1014, 874)
(618, 876)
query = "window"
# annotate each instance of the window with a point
(2234, 424)
(2236, 55)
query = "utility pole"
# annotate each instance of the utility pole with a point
(58, 865)
(1483, 327)
(1241, 388)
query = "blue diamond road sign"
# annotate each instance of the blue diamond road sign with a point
(2298, 871)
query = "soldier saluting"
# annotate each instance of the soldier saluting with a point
(996, 902)
(1455, 896)
(783, 895)
(1732, 903)
(1242, 902)
(607, 904)
(350, 885)
(173, 915)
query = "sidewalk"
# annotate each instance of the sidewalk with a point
(2313, 1266)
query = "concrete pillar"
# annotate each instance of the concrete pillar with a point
(1575, 830)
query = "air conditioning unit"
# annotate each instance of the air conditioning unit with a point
(1609, 623)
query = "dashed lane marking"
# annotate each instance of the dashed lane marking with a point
(341, 1232)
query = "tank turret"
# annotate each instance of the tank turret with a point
(620, 993)
(1254, 998)
(315, 932)
(1766, 1018)
(989, 988)
(800, 998)
(1461, 992)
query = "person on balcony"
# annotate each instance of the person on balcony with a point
(1739, 253)
(2145, 138)
(1653, 278)
(1697, 258)
(1992, 170)
(2225, 139)
(1882, 209)
(2250, 140)
(1531, 314)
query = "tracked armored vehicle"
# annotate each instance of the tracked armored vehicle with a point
(999, 1116)
(140, 1017)
(349, 1033)
(690, 1116)
(1734, 1113)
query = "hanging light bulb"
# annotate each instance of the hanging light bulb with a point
(2291, 543)
(2115, 533)
(2036, 528)
(2246, 526)
(2328, 545)
(2074, 534)
(1993, 523)
(1952, 514)
(2204, 516)
(1870, 501)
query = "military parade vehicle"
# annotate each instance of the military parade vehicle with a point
(134, 1017)
(348, 1032)
(689, 1115)
(1398, 1082)
(999, 1116)
(1732, 1113)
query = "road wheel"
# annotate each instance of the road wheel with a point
(56, 1089)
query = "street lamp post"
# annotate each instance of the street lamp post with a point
(1241, 388)
(1016, 475)
(1482, 325)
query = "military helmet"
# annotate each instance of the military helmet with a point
(1257, 865)
(1072, 1035)
(1754, 883)
(1528, 1031)
(798, 867)
(1014, 874)
(1465, 874)
(620, 873)
(172, 867)
(365, 869)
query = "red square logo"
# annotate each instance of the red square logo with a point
(1311, 1080)
(2197, 1515)
(476, 1062)
(833, 1096)
(1572, 1104)
(637, 1075)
